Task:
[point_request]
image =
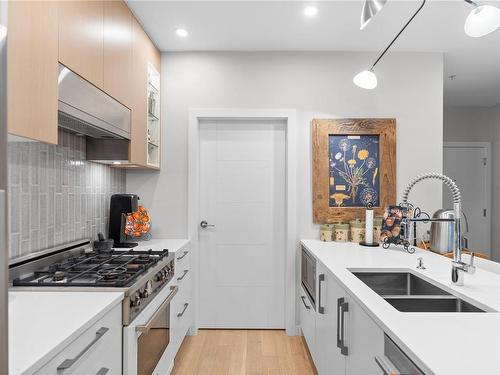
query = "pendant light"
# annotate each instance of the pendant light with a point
(370, 9)
(367, 78)
(482, 20)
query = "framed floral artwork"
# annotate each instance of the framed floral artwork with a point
(354, 163)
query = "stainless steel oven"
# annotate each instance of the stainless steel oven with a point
(154, 336)
(308, 275)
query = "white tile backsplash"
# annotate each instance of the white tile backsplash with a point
(56, 196)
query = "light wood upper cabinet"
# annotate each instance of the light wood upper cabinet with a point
(138, 143)
(118, 51)
(81, 38)
(32, 70)
(144, 53)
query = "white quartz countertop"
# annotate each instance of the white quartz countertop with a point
(41, 324)
(173, 245)
(439, 343)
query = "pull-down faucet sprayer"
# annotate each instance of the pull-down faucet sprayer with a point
(458, 267)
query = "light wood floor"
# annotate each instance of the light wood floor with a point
(243, 352)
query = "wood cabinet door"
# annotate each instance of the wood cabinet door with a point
(330, 360)
(81, 38)
(138, 144)
(32, 70)
(118, 51)
(365, 340)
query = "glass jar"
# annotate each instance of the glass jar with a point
(341, 232)
(326, 233)
(357, 230)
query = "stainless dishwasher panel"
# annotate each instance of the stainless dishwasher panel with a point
(395, 361)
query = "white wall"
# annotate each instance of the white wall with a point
(479, 124)
(467, 124)
(316, 84)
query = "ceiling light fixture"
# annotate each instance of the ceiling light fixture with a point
(182, 33)
(370, 9)
(482, 20)
(310, 11)
(367, 78)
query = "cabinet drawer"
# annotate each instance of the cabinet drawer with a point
(308, 321)
(97, 351)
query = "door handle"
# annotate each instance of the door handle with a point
(183, 255)
(179, 315)
(67, 363)
(183, 275)
(342, 308)
(102, 371)
(204, 224)
(387, 367)
(321, 279)
(304, 302)
(146, 327)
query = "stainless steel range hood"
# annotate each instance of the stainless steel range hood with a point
(86, 110)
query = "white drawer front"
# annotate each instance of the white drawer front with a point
(181, 310)
(98, 351)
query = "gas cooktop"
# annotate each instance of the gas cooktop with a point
(139, 274)
(104, 269)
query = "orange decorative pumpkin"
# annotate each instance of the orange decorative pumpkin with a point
(137, 224)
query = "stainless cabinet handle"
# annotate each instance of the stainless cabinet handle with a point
(342, 308)
(339, 312)
(321, 279)
(146, 327)
(386, 365)
(183, 310)
(102, 371)
(183, 255)
(183, 275)
(304, 302)
(67, 363)
(204, 224)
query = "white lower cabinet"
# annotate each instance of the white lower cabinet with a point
(97, 351)
(341, 337)
(181, 308)
(364, 340)
(308, 322)
(330, 360)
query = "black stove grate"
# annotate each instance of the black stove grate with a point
(111, 269)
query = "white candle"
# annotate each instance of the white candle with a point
(369, 226)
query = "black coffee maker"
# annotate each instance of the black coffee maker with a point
(120, 205)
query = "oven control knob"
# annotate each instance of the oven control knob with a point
(148, 289)
(159, 276)
(136, 300)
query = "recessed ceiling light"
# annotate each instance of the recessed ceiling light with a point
(181, 33)
(310, 11)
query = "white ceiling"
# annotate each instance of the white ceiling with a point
(282, 26)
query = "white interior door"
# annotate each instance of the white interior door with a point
(467, 166)
(242, 193)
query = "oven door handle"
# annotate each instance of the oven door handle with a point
(146, 327)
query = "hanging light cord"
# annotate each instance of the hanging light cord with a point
(397, 36)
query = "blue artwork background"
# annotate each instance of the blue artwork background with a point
(354, 170)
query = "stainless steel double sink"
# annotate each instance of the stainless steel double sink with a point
(409, 293)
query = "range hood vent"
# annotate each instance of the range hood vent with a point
(79, 126)
(85, 109)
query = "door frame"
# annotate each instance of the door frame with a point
(289, 117)
(489, 187)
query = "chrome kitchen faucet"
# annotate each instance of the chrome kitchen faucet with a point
(458, 267)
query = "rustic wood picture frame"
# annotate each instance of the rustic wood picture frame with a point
(385, 128)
